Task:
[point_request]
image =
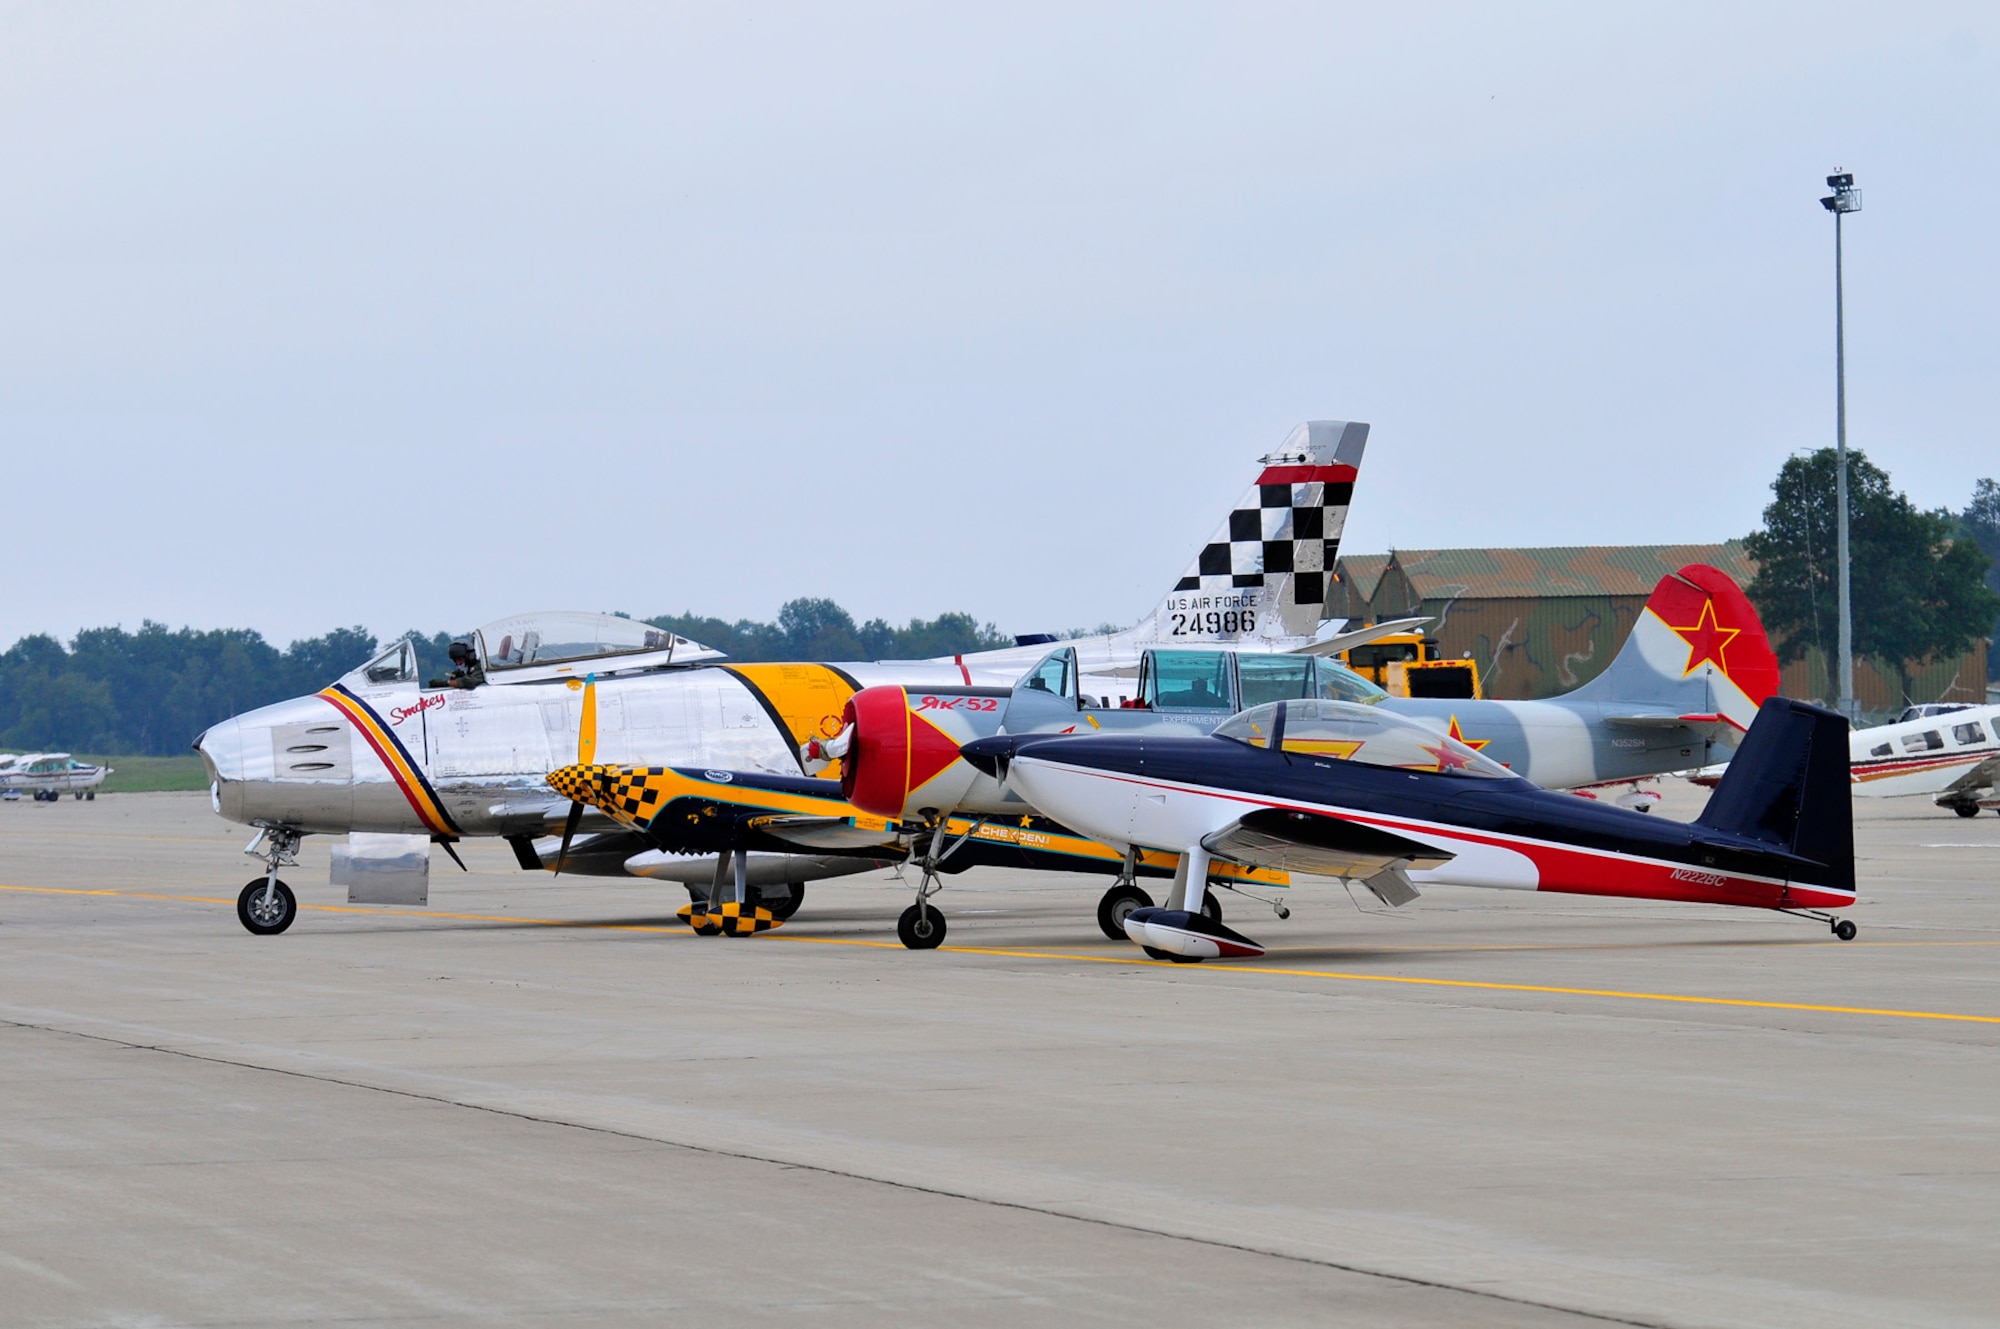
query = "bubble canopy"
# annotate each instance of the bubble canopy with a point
(571, 642)
(1366, 735)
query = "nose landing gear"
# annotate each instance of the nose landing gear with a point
(267, 906)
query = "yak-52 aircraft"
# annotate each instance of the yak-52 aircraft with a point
(381, 753)
(1362, 794)
(1688, 679)
(1952, 755)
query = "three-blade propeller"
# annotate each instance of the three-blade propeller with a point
(586, 753)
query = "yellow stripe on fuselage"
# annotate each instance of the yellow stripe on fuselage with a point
(409, 779)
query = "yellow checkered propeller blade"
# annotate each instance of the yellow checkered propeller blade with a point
(586, 753)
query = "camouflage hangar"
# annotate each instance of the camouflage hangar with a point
(1540, 622)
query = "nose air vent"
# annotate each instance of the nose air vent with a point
(317, 752)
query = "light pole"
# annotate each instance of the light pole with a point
(1844, 199)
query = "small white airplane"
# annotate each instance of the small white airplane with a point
(1950, 753)
(48, 776)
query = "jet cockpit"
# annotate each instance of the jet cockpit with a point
(532, 648)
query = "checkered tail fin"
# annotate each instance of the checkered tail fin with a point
(1261, 578)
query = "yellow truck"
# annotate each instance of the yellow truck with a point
(1410, 664)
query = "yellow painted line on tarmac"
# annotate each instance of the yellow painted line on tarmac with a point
(363, 909)
(1426, 982)
(1134, 960)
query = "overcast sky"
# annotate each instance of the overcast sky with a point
(421, 314)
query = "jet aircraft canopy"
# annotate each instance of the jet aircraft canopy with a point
(1347, 732)
(554, 644)
(530, 647)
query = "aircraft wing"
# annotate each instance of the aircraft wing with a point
(827, 832)
(1312, 842)
(1979, 777)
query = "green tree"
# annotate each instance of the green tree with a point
(1917, 592)
(1981, 521)
(819, 630)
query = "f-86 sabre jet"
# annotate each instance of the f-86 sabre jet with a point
(380, 752)
(1358, 793)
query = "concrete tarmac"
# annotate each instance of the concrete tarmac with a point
(543, 1102)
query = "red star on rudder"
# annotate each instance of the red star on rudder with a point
(1706, 640)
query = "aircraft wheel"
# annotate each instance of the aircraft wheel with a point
(266, 920)
(1211, 907)
(785, 908)
(921, 927)
(1117, 906)
(1175, 957)
(1966, 809)
(92, 796)
(1845, 929)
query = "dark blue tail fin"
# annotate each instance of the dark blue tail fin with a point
(1788, 786)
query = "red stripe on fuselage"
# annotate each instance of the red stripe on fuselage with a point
(390, 760)
(1884, 767)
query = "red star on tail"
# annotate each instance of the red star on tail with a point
(1706, 640)
(1474, 743)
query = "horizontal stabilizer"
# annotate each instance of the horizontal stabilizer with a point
(1312, 842)
(1645, 721)
(1345, 641)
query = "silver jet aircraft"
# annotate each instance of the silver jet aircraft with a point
(394, 763)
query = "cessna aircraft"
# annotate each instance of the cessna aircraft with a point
(906, 790)
(1952, 755)
(1358, 793)
(381, 753)
(50, 775)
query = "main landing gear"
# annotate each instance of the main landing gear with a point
(921, 928)
(267, 906)
(732, 907)
(1126, 896)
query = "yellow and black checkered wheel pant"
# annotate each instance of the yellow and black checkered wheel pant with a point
(730, 920)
